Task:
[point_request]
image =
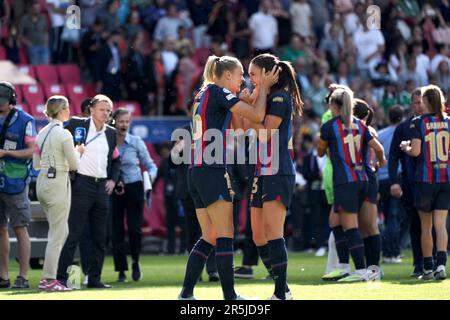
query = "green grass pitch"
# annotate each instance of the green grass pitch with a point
(163, 276)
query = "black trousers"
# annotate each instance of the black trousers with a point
(89, 204)
(320, 210)
(193, 232)
(415, 228)
(172, 220)
(131, 204)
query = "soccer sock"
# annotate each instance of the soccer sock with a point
(428, 263)
(372, 250)
(279, 260)
(196, 262)
(441, 258)
(224, 260)
(332, 260)
(264, 254)
(356, 248)
(341, 245)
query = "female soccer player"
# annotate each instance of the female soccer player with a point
(348, 139)
(431, 143)
(210, 183)
(273, 185)
(368, 215)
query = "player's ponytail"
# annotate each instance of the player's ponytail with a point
(362, 110)
(209, 72)
(343, 99)
(435, 100)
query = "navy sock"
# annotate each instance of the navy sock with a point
(196, 261)
(372, 250)
(341, 245)
(279, 260)
(356, 248)
(428, 263)
(441, 258)
(264, 254)
(224, 260)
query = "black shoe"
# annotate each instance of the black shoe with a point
(5, 284)
(418, 271)
(21, 283)
(122, 278)
(213, 277)
(243, 273)
(98, 285)
(136, 272)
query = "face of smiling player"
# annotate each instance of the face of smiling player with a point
(255, 73)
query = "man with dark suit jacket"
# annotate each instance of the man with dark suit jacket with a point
(94, 182)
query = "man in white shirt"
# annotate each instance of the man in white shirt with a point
(370, 46)
(98, 173)
(167, 27)
(264, 28)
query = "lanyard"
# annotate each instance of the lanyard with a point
(96, 136)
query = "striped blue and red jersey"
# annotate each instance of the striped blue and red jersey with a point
(211, 110)
(279, 104)
(433, 163)
(348, 149)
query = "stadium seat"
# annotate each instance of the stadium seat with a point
(27, 69)
(47, 74)
(23, 56)
(3, 54)
(132, 106)
(90, 89)
(34, 96)
(23, 106)
(69, 73)
(54, 89)
(76, 94)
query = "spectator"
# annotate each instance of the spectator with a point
(316, 94)
(409, 9)
(295, 49)
(34, 35)
(14, 203)
(397, 60)
(12, 44)
(301, 16)
(331, 45)
(342, 76)
(57, 12)
(140, 74)
(264, 29)
(302, 78)
(423, 64)
(186, 70)
(283, 21)
(219, 18)
(91, 43)
(442, 75)
(199, 10)
(320, 16)
(240, 33)
(183, 39)
(108, 15)
(108, 68)
(411, 73)
(133, 25)
(5, 14)
(443, 55)
(89, 9)
(152, 14)
(444, 7)
(167, 27)
(370, 46)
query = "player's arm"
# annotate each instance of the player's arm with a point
(379, 151)
(412, 147)
(268, 128)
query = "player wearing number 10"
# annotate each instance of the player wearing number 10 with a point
(431, 143)
(348, 140)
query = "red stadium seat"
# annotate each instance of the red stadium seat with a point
(54, 89)
(90, 89)
(34, 96)
(27, 69)
(69, 73)
(23, 56)
(132, 106)
(76, 94)
(19, 94)
(3, 54)
(47, 74)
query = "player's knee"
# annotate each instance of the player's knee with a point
(259, 241)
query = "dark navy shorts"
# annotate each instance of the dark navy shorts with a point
(372, 190)
(272, 188)
(349, 197)
(208, 185)
(430, 197)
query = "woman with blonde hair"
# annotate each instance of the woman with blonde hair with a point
(54, 155)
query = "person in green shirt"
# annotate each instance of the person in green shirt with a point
(294, 50)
